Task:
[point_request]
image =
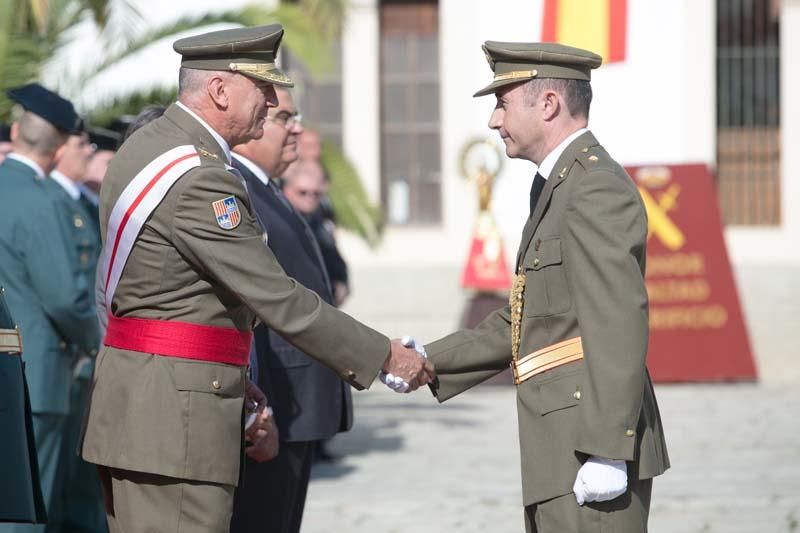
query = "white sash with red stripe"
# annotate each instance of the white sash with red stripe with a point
(135, 205)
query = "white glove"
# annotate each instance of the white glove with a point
(396, 383)
(600, 480)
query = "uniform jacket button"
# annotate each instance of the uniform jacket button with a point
(630, 433)
(216, 384)
(577, 395)
(536, 262)
(62, 345)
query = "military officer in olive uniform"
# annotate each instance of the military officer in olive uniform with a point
(575, 331)
(187, 275)
(51, 299)
(79, 505)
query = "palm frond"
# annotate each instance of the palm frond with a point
(350, 203)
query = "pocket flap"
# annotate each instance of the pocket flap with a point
(559, 393)
(222, 380)
(549, 253)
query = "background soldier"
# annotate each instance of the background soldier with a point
(193, 274)
(51, 299)
(78, 507)
(588, 418)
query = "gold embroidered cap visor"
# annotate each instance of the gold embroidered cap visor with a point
(248, 51)
(518, 62)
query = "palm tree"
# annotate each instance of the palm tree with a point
(31, 31)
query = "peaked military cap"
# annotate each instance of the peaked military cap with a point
(250, 51)
(518, 62)
(53, 108)
(104, 139)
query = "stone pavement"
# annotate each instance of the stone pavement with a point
(410, 464)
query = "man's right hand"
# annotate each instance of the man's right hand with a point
(406, 363)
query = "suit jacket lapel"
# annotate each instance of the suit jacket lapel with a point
(557, 176)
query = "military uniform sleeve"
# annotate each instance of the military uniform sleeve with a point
(64, 293)
(240, 261)
(468, 357)
(605, 233)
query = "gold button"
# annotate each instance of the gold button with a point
(584, 150)
(577, 395)
(216, 384)
(630, 433)
(592, 158)
(78, 222)
(536, 262)
(62, 345)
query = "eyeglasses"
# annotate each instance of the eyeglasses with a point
(287, 119)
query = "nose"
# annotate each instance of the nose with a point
(496, 119)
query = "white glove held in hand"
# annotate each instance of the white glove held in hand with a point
(396, 383)
(600, 480)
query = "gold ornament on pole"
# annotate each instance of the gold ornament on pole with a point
(486, 269)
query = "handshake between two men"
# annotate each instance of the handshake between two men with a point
(406, 369)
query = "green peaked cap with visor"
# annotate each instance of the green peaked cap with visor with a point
(249, 51)
(518, 62)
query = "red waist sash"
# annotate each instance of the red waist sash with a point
(180, 339)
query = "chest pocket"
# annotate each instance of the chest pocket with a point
(546, 290)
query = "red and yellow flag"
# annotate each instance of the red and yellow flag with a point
(596, 25)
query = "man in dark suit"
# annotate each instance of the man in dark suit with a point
(310, 401)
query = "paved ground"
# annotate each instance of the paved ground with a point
(410, 464)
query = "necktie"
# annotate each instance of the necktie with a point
(536, 190)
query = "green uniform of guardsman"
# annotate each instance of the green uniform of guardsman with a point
(167, 422)
(52, 301)
(80, 505)
(20, 493)
(576, 327)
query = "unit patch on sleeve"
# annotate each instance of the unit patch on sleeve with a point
(227, 212)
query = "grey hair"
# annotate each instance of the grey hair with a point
(191, 80)
(38, 135)
(576, 93)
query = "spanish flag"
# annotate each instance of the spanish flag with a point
(596, 25)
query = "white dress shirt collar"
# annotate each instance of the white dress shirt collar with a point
(552, 158)
(252, 167)
(217, 137)
(27, 161)
(70, 186)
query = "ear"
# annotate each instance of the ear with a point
(218, 89)
(551, 103)
(14, 132)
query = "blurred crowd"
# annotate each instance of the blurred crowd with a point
(53, 162)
